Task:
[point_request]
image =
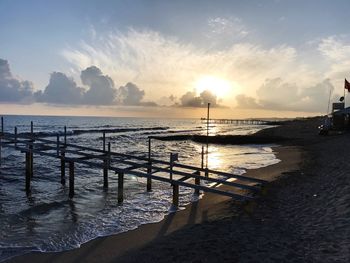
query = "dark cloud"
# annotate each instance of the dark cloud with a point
(130, 94)
(101, 87)
(275, 94)
(190, 99)
(64, 90)
(61, 90)
(12, 89)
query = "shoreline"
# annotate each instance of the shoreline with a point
(209, 208)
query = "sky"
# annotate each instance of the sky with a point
(272, 58)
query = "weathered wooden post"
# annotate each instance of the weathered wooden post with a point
(120, 187)
(202, 155)
(31, 155)
(15, 137)
(197, 181)
(176, 195)
(58, 145)
(27, 168)
(63, 167)
(149, 168)
(65, 136)
(173, 158)
(71, 179)
(1, 134)
(104, 141)
(171, 166)
(106, 164)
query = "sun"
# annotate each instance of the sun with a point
(218, 86)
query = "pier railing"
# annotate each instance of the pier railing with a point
(122, 164)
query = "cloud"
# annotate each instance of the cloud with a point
(99, 90)
(61, 90)
(164, 65)
(64, 90)
(130, 94)
(167, 100)
(246, 102)
(275, 94)
(190, 99)
(232, 27)
(336, 51)
(101, 87)
(12, 89)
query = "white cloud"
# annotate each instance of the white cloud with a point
(165, 66)
(227, 27)
(275, 94)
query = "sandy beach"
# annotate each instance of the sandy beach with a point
(301, 216)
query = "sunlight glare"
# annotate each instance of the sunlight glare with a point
(218, 86)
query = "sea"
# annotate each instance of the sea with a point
(47, 220)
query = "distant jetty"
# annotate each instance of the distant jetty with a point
(243, 121)
(224, 139)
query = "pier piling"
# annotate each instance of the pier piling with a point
(120, 187)
(31, 155)
(71, 179)
(149, 168)
(27, 168)
(104, 141)
(176, 195)
(15, 137)
(197, 181)
(63, 167)
(65, 136)
(1, 134)
(58, 145)
(106, 163)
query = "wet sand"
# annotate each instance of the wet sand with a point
(301, 216)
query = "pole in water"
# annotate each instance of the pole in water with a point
(120, 187)
(207, 135)
(15, 136)
(104, 141)
(149, 168)
(58, 145)
(63, 167)
(71, 180)
(202, 157)
(31, 150)
(2, 124)
(65, 136)
(106, 164)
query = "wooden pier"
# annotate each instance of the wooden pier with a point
(240, 121)
(68, 155)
